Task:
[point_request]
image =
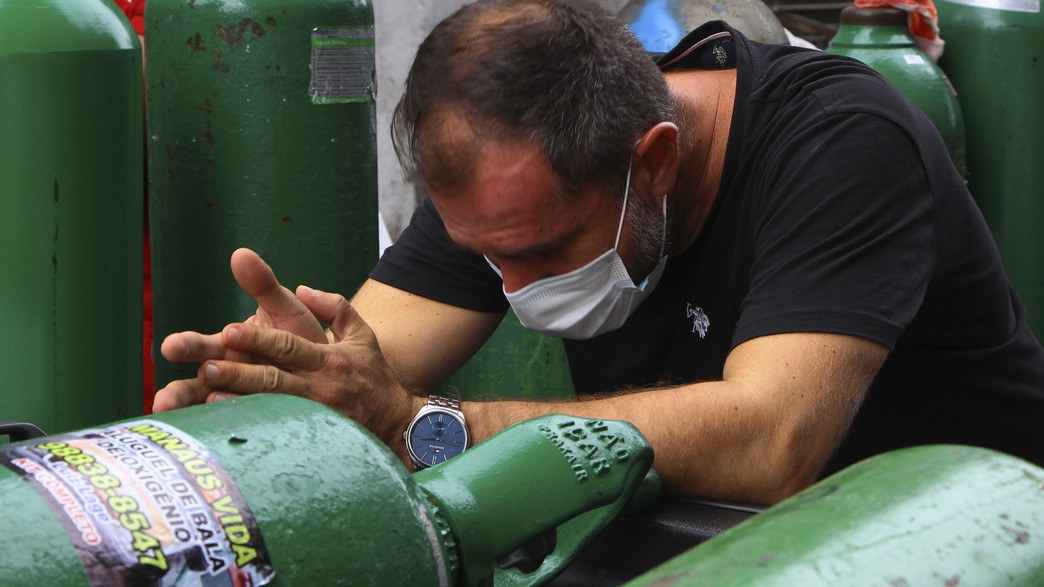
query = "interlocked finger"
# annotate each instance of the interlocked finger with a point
(280, 347)
(179, 394)
(240, 378)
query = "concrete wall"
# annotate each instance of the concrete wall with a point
(400, 26)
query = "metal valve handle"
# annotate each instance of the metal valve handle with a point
(549, 484)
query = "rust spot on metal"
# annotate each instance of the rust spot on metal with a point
(270, 21)
(210, 205)
(207, 135)
(210, 159)
(233, 34)
(1021, 537)
(953, 581)
(195, 43)
(207, 107)
(286, 219)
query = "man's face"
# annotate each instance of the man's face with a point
(514, 212)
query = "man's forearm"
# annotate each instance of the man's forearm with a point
(710, 439)
(762, 433)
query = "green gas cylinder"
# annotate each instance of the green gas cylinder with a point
(515, 363)
(927, 515)
(71, 231)
(879, 37)
(993, 57)
(274, 489)
(262, 121)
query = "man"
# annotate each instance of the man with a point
(739, 247)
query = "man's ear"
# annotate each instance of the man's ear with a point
(657, 157)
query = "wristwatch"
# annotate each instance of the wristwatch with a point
(437, 433)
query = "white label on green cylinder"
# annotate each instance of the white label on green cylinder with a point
(145, 504)
(1032, 6)
(343, 65)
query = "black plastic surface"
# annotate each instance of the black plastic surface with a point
(639, 541)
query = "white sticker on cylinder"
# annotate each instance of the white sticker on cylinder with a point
(343, 65)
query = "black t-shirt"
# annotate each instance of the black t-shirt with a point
(839, 211)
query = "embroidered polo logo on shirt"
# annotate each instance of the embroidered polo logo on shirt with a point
(721, 56)
(700, 321)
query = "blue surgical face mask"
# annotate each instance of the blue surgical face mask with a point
(594, 299)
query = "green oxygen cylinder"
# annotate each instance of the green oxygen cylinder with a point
(261, 117)
(879, 37)
(279, 490)
(927, 515)
(515, 363)
(993, 54)
(71, 232)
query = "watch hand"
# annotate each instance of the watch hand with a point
(443, 441)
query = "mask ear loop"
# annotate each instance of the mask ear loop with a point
(627, 190)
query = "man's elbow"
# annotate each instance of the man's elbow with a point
(756, 477)
(797, 466)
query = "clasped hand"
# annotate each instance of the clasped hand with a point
(283, 348)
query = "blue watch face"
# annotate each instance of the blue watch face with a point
(437, 437)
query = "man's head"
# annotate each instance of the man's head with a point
(564, 74)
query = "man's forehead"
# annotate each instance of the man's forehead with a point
(455, 149)
(501, 180)
(487, 164)
(512, 202)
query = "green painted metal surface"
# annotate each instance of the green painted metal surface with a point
(261, 134)
(537, 476)
(71, 232)
(993, 57)
(331, 504)
(879, 38)
(515, 363)
(930, 515)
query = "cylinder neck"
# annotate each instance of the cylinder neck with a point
(867, 28)
(884, 16)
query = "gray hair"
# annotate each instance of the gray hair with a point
(565, 74)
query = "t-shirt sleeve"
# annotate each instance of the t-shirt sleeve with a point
(836, 251)
(424, 261)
